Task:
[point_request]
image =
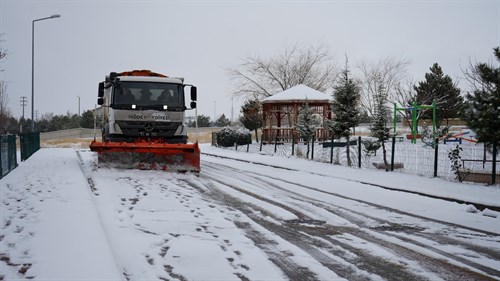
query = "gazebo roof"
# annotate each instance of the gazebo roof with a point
(298, 93)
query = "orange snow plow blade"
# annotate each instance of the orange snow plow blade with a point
(148, 156)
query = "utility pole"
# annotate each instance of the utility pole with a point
(78, 106)
(24, 102)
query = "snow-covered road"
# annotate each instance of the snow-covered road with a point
(61, 218)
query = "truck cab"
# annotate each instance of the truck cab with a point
(143, 105)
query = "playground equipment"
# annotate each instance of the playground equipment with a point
(414, 122)
(459, 137)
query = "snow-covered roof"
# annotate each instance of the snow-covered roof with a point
(298, 93)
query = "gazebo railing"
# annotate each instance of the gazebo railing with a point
(287, 135)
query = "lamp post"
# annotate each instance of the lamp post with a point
(78, 106)
(33, 68)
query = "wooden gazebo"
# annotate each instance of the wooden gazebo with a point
(280, 113)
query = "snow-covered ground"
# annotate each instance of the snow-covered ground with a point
(63, 219)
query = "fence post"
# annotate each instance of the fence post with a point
(331, 152)
(359, 151)
(275, 143)
(436, 145)
(494, 163)
(261, 141)
(248, 146)
(392, 152)
(21, 144)
(312, 148)
(14, 150)
(293, 143)
(1, 152)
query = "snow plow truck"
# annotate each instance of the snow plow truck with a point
(144, 127)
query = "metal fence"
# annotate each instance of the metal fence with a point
(30, 143)
(402, 156)
(8, 154)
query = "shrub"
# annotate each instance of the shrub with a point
(456, 165)
(243, 136)
(229, 136)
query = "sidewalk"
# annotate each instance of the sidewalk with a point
(50, 228)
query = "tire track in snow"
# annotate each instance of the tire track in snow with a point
(359, 218)
(136, 213)
(476, 205)
(409, 253)
(351, 198)
(311, 243)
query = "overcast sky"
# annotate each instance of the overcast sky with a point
(199, 40)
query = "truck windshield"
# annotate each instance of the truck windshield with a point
(148, 95)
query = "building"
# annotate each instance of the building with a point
(280, 113)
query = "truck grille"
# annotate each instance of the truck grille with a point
(150, 129)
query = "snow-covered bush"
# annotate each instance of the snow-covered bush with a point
(243, 136)
(229, 136)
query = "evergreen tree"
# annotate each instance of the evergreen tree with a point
(252, 116)
(440, 88)
(204, 121)
(305, 126)
(482, 111)
(222, 121)
(87, 119)
(13, 126)
(379, 127)
(345, 108)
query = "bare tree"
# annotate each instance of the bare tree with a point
(5, 113)
(264, 77)
(3, 53)
(389, 72)
(404, 96)
(472, 75)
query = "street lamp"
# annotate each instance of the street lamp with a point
(33, 68)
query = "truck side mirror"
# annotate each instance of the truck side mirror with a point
(193, 105)
(100, 91)
(100, 101)
(193, 94)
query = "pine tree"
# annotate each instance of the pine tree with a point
(440, 88)
(345, 108)
(305, 127)
(222, 121)
(203, 121)
(252, 116)
(483, 105)
(379, 127)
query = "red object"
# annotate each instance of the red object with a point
(410, 136)
(143, 72)
(144, 155)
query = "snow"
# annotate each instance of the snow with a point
(467, 192)
(148, 225)
(47, 202)
(299, 92)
